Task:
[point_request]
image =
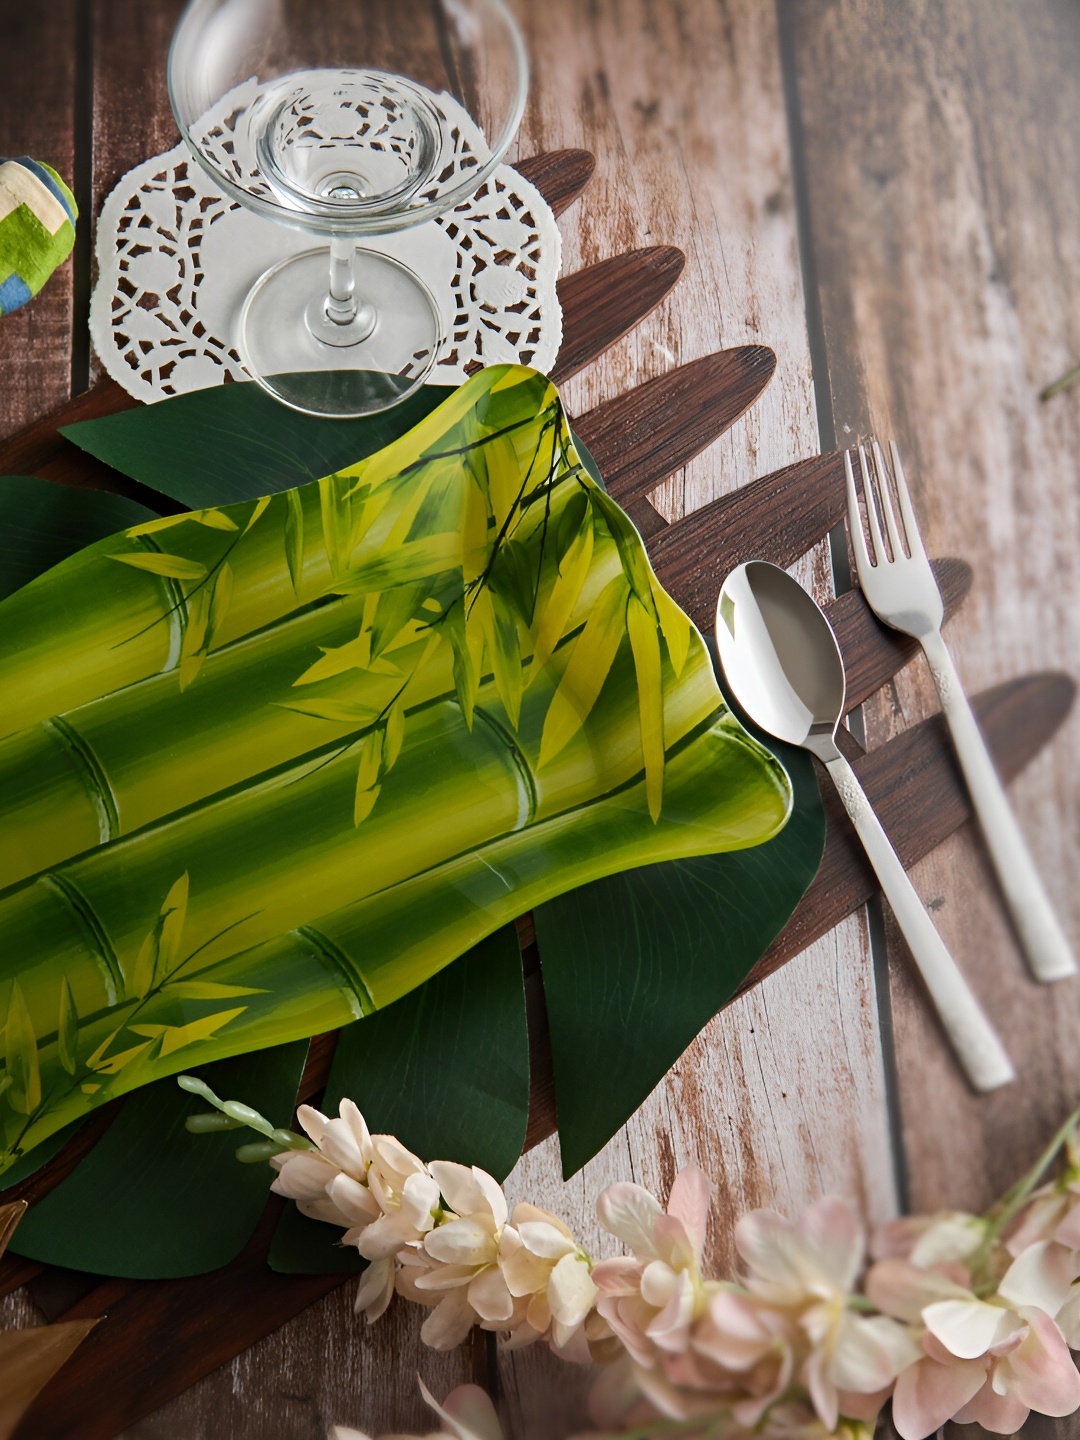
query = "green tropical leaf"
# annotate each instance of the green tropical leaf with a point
(152, 1201)
(637, 964)
(235, 442)
(42, 523)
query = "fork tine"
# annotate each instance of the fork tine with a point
(855, 524)
(885, 493)
(880, 555)
(911, 525)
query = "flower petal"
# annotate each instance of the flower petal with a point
(868, 1353)
(689, 1202)
(900, 1289)
(1042, 1373)
(355, 1201)
(419, 1199)
(303, 1175)
(571, 1292)
(1041, 1275)
(929, 1393)
(470, 1410)
(630, 1213)
(459, 1187)
(544, 1240)
(489, 1296)
(375, 1290)
(968, 1328)
(448, 1324)
(1002, 1414)
(461, 1242)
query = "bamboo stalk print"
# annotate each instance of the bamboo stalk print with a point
(396, 707)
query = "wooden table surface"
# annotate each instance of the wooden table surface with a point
(885, 191)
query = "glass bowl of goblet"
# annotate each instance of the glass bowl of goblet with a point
(346, 119)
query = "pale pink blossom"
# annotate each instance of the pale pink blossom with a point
(987, 1360)
(808, 1268)
(651, 1299)
(467, 1413)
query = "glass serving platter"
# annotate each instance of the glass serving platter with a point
(266, 768)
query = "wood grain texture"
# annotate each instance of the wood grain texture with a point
(945, 229)
(781, 1097)
(38, 119)
(946, 235)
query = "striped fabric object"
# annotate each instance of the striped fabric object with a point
(37, 228)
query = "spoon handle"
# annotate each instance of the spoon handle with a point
(977, 1047)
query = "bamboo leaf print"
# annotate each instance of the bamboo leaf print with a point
(503, 647)
(220, 597)
(344, 712)
(418, 560)
(395, 735)
(294, 538)
(178, 1037)
(159, 952)
(590, 663)
(336, 512)
(175, 567)
(645, 644)
(209, 990)
(173, 915)
(20, 1045)
(676, 628)
(260, 509)
(371, 759)
(194, 642)
(365, 803)
(67, 1027)
(631, 554)
(555, 616)
(214, 519)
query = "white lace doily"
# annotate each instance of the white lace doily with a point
(175, 260)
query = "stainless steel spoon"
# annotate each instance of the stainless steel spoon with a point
(782, 662)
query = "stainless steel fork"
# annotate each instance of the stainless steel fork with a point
(901, 590)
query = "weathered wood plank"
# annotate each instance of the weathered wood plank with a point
(37, 118)
(781, 1097)
(946, 239)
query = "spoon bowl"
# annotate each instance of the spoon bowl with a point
(780, 656)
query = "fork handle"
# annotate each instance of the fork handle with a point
(1048, 952)
(977, 1046)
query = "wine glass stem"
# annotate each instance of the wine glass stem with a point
(341, 306)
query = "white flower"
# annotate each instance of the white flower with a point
(544, 1267)
(330, 1184)
(462, 1256)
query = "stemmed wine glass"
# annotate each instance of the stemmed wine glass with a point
(346, 118)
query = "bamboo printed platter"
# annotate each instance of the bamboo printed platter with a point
(779, 519)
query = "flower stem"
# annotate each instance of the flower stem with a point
(1061, 383)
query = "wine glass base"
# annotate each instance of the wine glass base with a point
(304, 359)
